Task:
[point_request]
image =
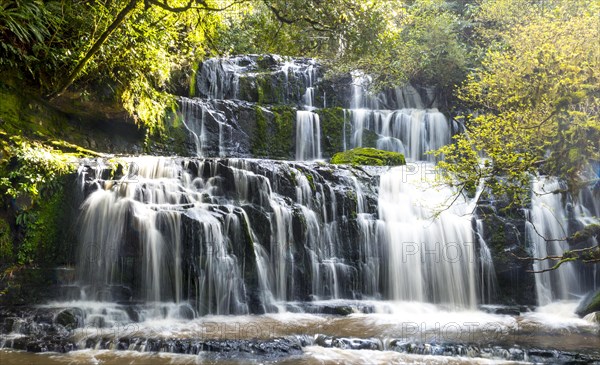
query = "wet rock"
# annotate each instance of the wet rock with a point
(342, 310)
(513, 310)
(590, 303)
(504, 233)
(185, 312)
(357, 344)
(593, 317)
(70, 318)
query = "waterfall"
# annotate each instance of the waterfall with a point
(409, 129)
(431, 259)
(308, 127)
(209, 126)
(553, 212)
(228, 89)
(308, 136)
(225, 235)
(487, 272)
(412, 132)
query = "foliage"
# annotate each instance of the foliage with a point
(396, 41)
(24, 26)
(42, 226)
(30, 166)
(129, 47)
(537, 99)
(6, 243)
(369, 157)
(423, 40)
(128, 50)
(300, 27)
(32, 178)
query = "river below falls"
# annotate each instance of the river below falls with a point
(402, 332)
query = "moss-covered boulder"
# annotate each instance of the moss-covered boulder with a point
(369, 157)
(589, 304)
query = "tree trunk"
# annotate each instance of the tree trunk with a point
(95, 48)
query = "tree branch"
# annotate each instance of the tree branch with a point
(316, 25)
(179, 9)
(174, 9)
(568, 256)
(120, 18)
(95, 48)
(558, 264)
(544, 238)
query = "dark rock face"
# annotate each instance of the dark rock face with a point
(589, 304)
(504, 234)
(265, 79)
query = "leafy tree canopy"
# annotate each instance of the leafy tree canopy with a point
(535, 97)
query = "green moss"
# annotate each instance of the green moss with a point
(273, 132)
(25, 115)
(259, 145)
(368, 156)
(66, 124)
(311, 182)
(194, 68)
(172, 139)
(283, 132)
(266, 93)
(589, 231)
(34, 176)
(293, 177)
(260, 94)
(44, 226)
(6, 243)
(351, 195)
(333, 125)
(73, 149)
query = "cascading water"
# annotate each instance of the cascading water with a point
(431, 259)
(235, 236)
(410, 130)
(308, 136)
(551, 218)
(308, 127)
(194, 231)
(228, 90)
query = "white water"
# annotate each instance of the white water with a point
(197, 115)
(401, 252)
(547, 230)
(308, 136)
(308, 126)
(411, 129)
(431, 259)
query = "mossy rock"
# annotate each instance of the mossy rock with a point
(6, 243)
(589, 304)
(368, 157)
(333, 129)
(273, 132)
